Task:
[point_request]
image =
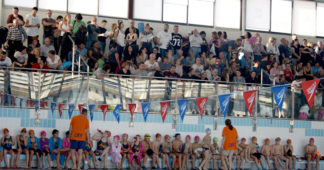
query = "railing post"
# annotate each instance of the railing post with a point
(291, 123)
(216, 109)
(79, 65)
(255, 113)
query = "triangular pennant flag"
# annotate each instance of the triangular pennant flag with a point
(70, 111)
(60, 109)
(116, 112)
(309, 89)
(21, 102)
(44, 104)
(2, 97)
(249, 97)
(145, 110)
(224, 101)
(13, 100)
(201, 103)
(36, 105)
(164, 109)
(80, 106)
(104, 109)
(182, 104)
(28, 103)
(91, 110)
(279, 95)
(53, 105)
(132, 108)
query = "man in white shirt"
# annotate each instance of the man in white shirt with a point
(164, 40)
(32, 25)
(195, 43)
(146, 39)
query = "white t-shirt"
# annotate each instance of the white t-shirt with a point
(197, 41)
(247, 46)
(121, 38)
(151, 66)
(164, 38)
(64, 27)
(6, 63)
(32, 31)
(197, 68)
(53, 63)
(21, 58)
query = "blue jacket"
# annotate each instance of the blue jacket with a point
(30, 144)
(52, 146)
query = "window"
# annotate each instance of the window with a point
(148, 9)
(201, 12)
(21, 3)
(59, 5)
(113, 8)
(258, 15)
(281, 16)
(175, 11)
(83, 6)
(228, 13)
(304, 18)
(319, 19)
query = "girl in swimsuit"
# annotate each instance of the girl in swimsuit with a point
(103, 146)
(125, 149)
(34, 148)
(115, 151)
(166, 150)
(88, 151)
(44, 145)
(22, 141)
(136, 153)
(7, 141)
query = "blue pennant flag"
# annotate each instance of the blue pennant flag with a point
(70, 111)
(182, 104)
(53, 105)
(91, 110)
(279, 94)
(116, 112)
(36, 105)
(224, 101)
(21, 102)
(145, 110)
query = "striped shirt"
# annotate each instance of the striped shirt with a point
(16, 34)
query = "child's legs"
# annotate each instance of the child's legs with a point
(38, 159)
(5, 157)
(31, 155)
(223, 157)
(58, 157)
(194, 157)
(174, 157)
(19, 151)
(12, 158)
(49, 160)
(43, 160)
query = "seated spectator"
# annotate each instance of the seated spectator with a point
(46, 47)
(252, 78)
(152, 65)
(125, 70)
(54, 61)
(172, 73)
(287, 73)
(256, 67)
(165, 65)
(203, 59)
(203, 76)
(33, 57)
(179, 67)
(246, 62)
(142, 56)
(141, 70)
(298, 70)
(222, 59)
(80, 51)
(315, 69)
(34, 44)
(103, 72)
(21, 57)
(308, 72)
(191, 75)
(94, 54)
(129, 54)
(190, 60)
(197, 68)
(100, 63)
(275, 72)
(238, 78)
(282, 80)
(235, 59)
(214, 76)
(41, 64)
(158, 55)
(5, 61)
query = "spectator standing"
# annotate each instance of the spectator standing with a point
(283, 50)
(92, 32)
(101, 35)
(46, 47)
(272, 48)
(77, 24)
(13, 16)
(49, 25)
(131, 38)
(176, 40)
(65, 27)
(204, 44)
(16, 37)
(146, 39)
(57, 33)
(120, 38)
(131, 25)
(164, 38)
(195, 43)
(247, 45)
(258, 49)
(80, 135)
(32, 25)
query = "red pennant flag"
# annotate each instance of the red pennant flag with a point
(28, 103)
(249, 97)
(201, 103)
(60, 109)
(44, 104)
(104, 109)
(2, 96)
(80, 107)
(164, 109)
(132, 108)
(13, 100)
(309, 89)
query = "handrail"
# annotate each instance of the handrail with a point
(73, 53)
(85, 63)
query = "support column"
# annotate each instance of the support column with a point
(2, 11)
(243, 12)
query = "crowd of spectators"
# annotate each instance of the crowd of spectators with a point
(166, 54)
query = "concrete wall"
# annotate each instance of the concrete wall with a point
(15, 119)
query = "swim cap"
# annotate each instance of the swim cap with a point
(43, 133)
(215, 139)
(31, 131)
(197, 137)
(166, 137)
(208, 131)
(288, 141)
(147, 136)
(278, 139)
(267, 140)
(158, 135)
(311, 139)
(243, 139)
(125, 134)
(117, 137)
(254, 138)
(5, 130)
(188, 136)
(23, 130)
(176, 135)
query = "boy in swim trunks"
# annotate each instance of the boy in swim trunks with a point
(156, 150)
(147, 149)
(266, 151)
(242, 153)
(196, 151)
(206, 155)
(311, 154)
(186, 152)
(289, 150)
(166, 151)
(176, 149)
(254, 153)
(7, 142)
(215, 150)
(278, 154)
